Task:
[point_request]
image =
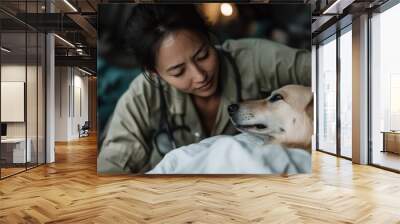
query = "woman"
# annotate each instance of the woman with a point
(187, 85)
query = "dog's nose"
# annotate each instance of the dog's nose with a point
(233, 108)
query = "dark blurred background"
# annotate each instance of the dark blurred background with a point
(289, 24)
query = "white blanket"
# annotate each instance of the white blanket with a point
(240, 154)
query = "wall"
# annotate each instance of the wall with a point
(17, 73)
(61, 103)
(33, 126)
(14, 73)
(71, 102)
(80, 102)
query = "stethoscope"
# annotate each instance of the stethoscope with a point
(164, 140)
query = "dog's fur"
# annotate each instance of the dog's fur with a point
(287, 121)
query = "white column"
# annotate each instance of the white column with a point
(50, 93)
(360, 90)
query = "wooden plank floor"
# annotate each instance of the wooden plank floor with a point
(10, 171)
(70, 191)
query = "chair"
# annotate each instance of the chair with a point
(84, 130)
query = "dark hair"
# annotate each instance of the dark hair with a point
(148, 24)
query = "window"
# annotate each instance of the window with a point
(385, 88)
(346, 93)
(327, 96)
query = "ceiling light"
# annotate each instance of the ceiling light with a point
(64, 40)
(70, 5)
(326, 11)
(5, 50)
(226, 9)
(338, 6)
(86, 72)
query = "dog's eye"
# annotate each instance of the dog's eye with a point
(261, 126)
(276, 97)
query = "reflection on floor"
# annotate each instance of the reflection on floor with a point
(387, 159)
(10, 169)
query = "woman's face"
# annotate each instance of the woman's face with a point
(189, 63)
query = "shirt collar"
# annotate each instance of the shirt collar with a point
(229, 91)
(228, 84)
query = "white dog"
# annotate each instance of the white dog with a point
(285, 117)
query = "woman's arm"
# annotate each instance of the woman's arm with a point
(125, 149)
(281, 64)
(274, 65)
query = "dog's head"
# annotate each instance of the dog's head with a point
(285, 117)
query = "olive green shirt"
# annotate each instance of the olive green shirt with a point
(263, 66)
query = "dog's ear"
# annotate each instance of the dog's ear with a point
(308, 101)
(298, 97)
(310, 109)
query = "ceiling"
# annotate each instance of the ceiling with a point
(78, 27)
(77, 24)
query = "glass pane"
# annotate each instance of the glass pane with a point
(41, 98)
(31, 97)
(14, 152)
(385, 85)
(346, 94)
(31, 86)
(327, 96)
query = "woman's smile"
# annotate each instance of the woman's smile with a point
(206, 86)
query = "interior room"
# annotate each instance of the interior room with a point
(52, 109)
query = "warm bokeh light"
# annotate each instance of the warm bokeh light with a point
(226, 9)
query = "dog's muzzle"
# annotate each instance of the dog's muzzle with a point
(243, 120)
(233, 108)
